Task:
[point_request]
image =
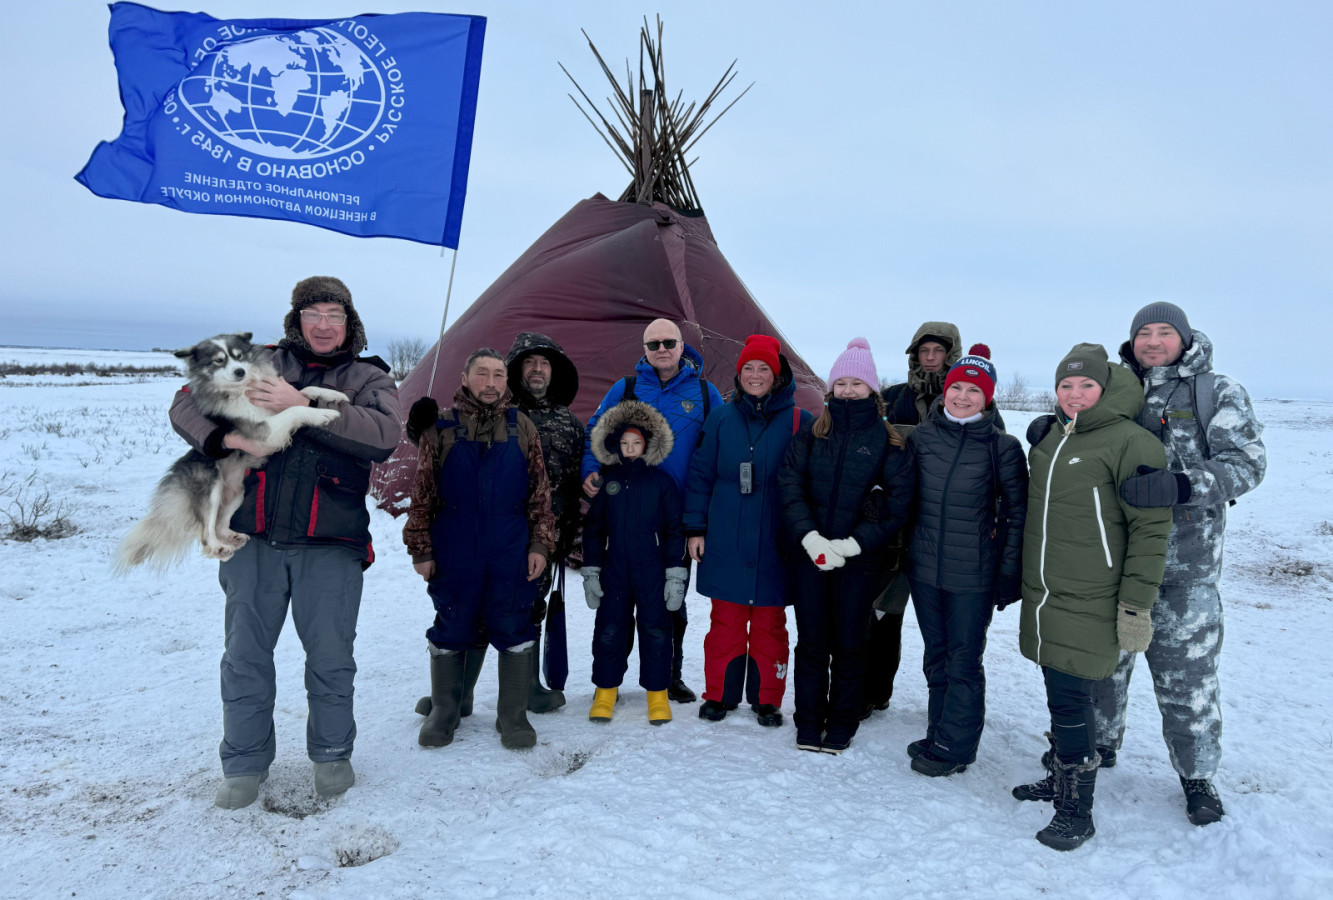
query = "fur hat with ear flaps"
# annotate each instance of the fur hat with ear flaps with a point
(323, 289)
(632, 414)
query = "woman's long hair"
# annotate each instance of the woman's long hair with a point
(824, 423)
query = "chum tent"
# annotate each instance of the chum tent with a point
(606, 269)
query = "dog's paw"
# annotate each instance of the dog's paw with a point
(322, 417)
(218, 551)
(235, 539)
(323, 393)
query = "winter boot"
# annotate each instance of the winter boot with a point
(472, 662)
(1202, 804)
(1043, 791)
(603, 704)
(659, 707)
(768, 715)
(680, 692)
(542, 699)
(334, 777)
(714, 711)
(837, 739)
(446, 690)
(511, 719)
(931, 763)
(916, 748)
(239, 791)
(1072, 824)
(809, 738)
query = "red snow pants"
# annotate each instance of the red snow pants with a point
(746, 648)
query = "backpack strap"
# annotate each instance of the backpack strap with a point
(704, 394)
(511, 424)
(630, 382)
(1203, 391)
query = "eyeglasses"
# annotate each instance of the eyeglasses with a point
(310, 317)
(669, 343)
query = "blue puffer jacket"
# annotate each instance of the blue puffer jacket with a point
(680, 401)
(742, 562)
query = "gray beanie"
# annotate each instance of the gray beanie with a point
(1164, 312)
(1086, 360)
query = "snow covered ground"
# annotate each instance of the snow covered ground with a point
(109, 723)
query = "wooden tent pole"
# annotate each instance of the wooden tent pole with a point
(644, 191)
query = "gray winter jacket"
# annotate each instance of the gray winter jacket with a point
(1221, 465)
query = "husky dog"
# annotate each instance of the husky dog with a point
(195, 500)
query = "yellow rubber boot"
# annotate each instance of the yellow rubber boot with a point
(659, 707)
(603, 705)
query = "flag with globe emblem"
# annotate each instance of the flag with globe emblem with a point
(362, 125)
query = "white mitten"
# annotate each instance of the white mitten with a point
(845, 547)
(592, 585)
(821, 552)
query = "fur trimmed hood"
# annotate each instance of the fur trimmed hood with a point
(632, 413)
(564, 385)
(323, 289)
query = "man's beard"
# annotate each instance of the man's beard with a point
(537, 388)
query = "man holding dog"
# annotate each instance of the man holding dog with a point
(669, 378)
(305, 512)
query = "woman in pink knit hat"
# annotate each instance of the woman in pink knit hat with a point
(846, 487)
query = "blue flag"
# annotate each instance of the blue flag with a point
(361, 125)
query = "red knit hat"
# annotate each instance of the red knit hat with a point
(975, 368)
(762, 348)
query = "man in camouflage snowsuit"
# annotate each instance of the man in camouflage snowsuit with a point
(1210, 462)
(544, 382)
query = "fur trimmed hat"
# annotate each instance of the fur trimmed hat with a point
(975, 368)
(855, 362)
(657, 436)
(323, 289)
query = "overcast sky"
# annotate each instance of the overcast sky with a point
(1033, 171)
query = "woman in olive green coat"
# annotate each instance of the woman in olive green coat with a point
(1091, 568)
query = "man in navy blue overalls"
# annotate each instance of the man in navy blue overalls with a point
(480, 530)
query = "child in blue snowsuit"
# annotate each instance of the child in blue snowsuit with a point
(633, 556)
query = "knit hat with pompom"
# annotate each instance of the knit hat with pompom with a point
(855, 362)
(975, 368)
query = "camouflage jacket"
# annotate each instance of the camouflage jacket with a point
(1221, 465)
(562, 449)
(482, 423)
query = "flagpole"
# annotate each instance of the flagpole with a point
(448, 295)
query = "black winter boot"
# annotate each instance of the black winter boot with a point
(541, 699)
(1108, 757)
(1072, 824)
(1044, 790)
(446, 690)
(1202, 804)
(928, 762)
(472, 662)
(916, 748)
(511, 720)
(713, 710)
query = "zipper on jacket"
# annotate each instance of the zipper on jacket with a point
(944, 499)
(1101, 525)
(1045, 515)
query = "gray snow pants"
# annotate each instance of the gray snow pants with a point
(323, 586)
(1183, 658)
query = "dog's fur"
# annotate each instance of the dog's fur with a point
(195, 500)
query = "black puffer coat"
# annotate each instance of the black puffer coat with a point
(961, 540)
(826, 484)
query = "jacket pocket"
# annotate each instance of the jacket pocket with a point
(1101, 525)
(249, 516)
(338, 502)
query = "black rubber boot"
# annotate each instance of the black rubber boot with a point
(541, 699)
(1072, 824)
(511, 720)
(446, 690)
(472, 662)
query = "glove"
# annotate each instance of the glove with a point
(538, 612)
(1008, 589)
(845, 547)
(675, 587)
(592, 585)
(821, 552)
(1038, 428)
(421, 416)
(1155, 488)
(1133, 628)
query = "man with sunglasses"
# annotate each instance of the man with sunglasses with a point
(305, 512)
(669, 378)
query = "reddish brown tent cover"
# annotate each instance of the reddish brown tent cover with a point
(593, 282)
